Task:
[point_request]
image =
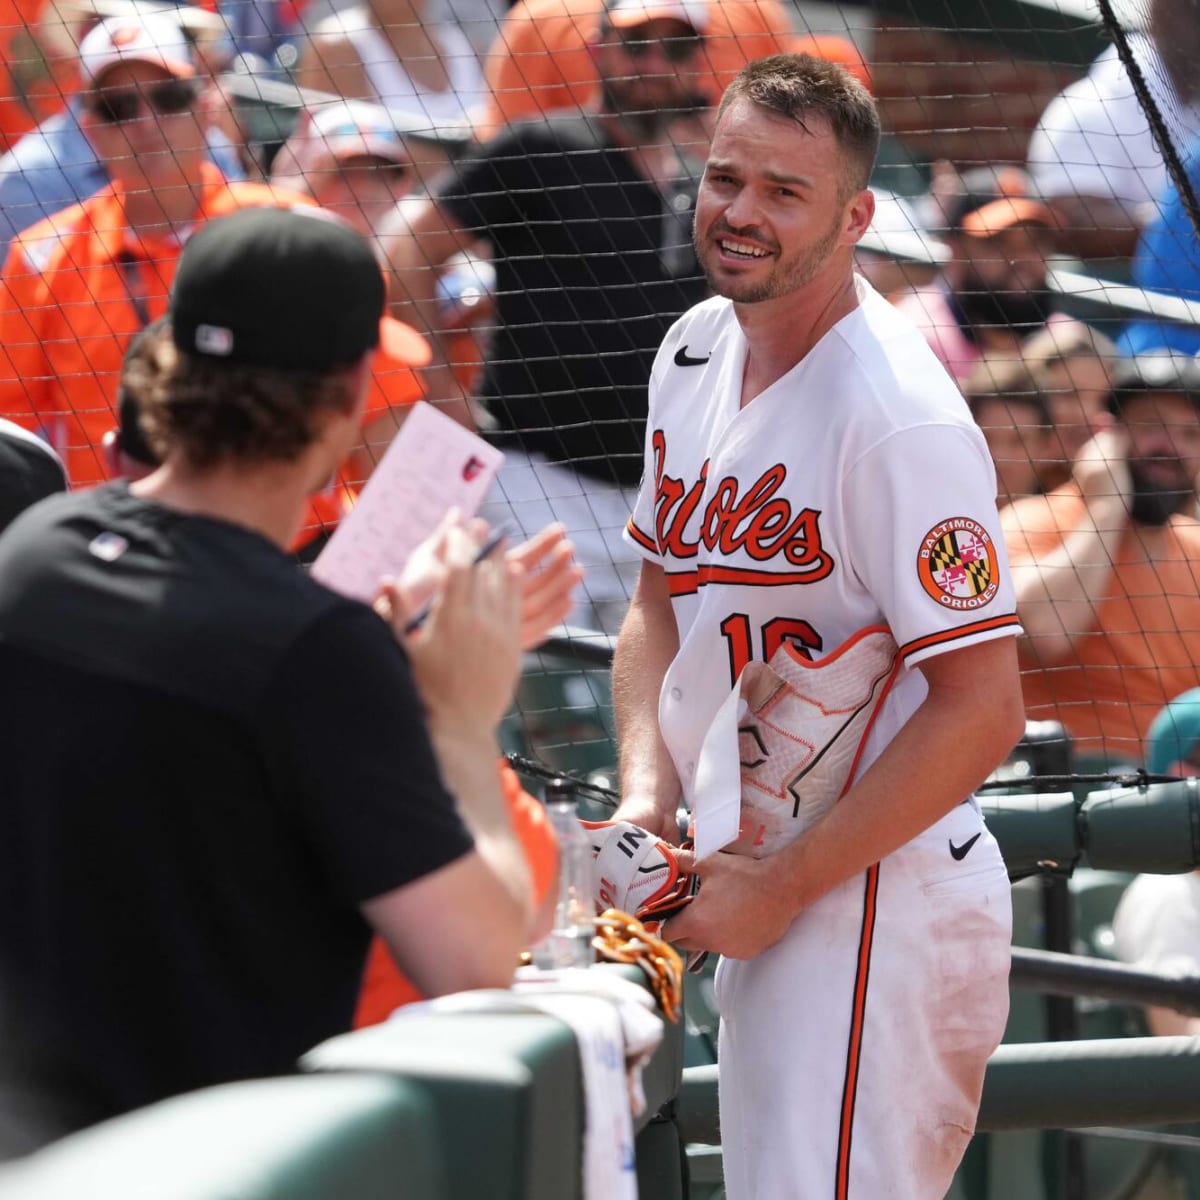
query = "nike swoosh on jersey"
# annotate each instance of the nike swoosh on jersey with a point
(684, 359)
(958, 853)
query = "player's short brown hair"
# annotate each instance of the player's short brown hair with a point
(798, 86)
(210, 412)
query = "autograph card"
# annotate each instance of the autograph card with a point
(432, 465)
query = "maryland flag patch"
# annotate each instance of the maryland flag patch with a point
(957, 564)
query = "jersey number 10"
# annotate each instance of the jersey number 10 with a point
(739, 639)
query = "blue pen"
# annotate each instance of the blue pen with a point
(493, 540)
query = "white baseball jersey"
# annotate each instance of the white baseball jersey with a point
(855, 492)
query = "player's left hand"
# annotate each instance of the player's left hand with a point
(738, 910)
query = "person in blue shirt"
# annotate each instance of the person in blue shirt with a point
(1168, 260)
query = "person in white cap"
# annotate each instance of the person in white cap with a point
(78, 285)
(350, 158)
(56, 165)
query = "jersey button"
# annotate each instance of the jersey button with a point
(676, 694)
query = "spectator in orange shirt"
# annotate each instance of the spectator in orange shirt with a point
(1107, 568)
(349, 158)
(37, 69)
(542, 60)
(1073, 364)
(77, 285)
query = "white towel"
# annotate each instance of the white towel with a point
(616, 1030)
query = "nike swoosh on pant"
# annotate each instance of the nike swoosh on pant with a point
(958, 853)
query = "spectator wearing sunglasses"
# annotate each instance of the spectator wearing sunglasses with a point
(77, 286)
(589, 219)
(56, 165)
(542, 58)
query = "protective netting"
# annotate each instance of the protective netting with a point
(1152, 43)
(530, 176)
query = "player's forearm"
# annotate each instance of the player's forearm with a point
(646, 647)
(900, 796)
(468, 762)
(1057, 595)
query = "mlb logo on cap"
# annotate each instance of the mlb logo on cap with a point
(215, 340)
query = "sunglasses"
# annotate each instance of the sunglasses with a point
(165, 99)
(676, 49)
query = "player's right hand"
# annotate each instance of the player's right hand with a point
(659, 817)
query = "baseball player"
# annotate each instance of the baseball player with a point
(817, 500)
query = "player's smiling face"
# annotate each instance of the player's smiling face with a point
(772, 213)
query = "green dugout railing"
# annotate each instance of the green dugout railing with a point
(432, 1106)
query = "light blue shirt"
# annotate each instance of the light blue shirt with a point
(54, 166)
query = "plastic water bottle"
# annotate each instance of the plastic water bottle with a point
(569, 943)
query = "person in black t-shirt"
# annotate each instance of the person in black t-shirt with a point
(219, 775)
(29, 471)
(589, 217)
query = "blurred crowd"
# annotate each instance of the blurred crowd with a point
(526, 176)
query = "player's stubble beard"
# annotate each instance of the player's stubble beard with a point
(788, 274)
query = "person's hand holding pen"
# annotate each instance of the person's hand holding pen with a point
(465, 647)
(550, 576)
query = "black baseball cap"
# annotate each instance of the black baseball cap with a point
(1168, 373)
(294, 288)
(29, 471)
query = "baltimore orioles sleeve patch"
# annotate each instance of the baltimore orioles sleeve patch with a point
(958, 566)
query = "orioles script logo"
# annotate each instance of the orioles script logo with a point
(758, 521)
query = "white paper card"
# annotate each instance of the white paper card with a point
(432, 465)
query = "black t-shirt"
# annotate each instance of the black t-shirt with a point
(593, 265)
(209, 762)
